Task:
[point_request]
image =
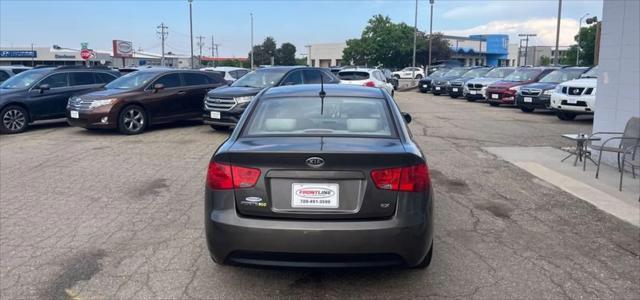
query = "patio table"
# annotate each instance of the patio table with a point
(580, 152)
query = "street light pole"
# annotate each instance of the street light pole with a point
(556, 55)
(430, 33)
(415, 35)
(251, 41)
(191, 30)
(578, 48)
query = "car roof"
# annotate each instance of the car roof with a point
(222, 69)
(369, 70)
(331, 90)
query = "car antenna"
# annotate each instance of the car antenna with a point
(322, 94)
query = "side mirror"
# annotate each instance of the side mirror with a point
(157, 87)
(44, 87)
(407, 117)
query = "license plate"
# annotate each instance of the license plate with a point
(437, 88)
(215, 115)
(473, 92)
(74, 114)
(528, 99)
(454, 89)
(494, 96)
(314, 195)
(424, 86)
(571, 101)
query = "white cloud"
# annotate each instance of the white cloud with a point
(544, 28)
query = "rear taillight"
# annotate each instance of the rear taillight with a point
(225, 177)
(369, 84)
(406, 179)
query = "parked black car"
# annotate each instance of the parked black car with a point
(538, 94)
(224, 106)
(441, 85)
(149, 96)
(313, 179)
(42, 93)
(455, 88)
(425, 83)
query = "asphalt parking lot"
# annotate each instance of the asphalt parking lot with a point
(91, 215)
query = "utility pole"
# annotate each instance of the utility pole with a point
(526, 45)
(415, 36)
(191, 31)
(163, 36)
(251, 41)
(579, 31)
(430, 35)
(519, 52)
(213, 51)
(32, 56)
(200, 45)
(556, 55)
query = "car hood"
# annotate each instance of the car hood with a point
(233, 91)
(10, 94)
(582, 82)
(540, 85)
(484, 80)
(104, 94)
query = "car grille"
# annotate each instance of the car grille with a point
(77, 103)
(439, 82)
(456, 83)
(476, 86)
(575, 91)
(219, 104)
(530, 92)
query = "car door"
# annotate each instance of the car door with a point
(51, 103)
(196, 87)
(166, 104)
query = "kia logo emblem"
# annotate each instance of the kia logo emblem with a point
(315, 162)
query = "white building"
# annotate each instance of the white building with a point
(618, 89)
(325, 55)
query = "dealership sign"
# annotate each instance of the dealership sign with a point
(122, 48)
(18, 53)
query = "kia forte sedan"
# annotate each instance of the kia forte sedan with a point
(320, 178)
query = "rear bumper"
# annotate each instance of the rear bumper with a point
(300, 243)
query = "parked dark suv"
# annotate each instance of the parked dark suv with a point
(42, 93)
(224, 106)
(149, 96)
(538, 94)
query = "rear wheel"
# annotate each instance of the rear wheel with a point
(225, 128)
(565, 116)
(527, 109)
(132, 120)
(494, 104)
(14, 119)
(418, 76)
(427, 259)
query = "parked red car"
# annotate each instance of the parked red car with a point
(505, 90)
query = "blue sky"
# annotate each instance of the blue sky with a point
(68, 23)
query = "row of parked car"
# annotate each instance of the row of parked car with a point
(102, 98)
(569, 91)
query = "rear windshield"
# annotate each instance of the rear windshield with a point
(353, 75)
(523, 75)
(301, 116)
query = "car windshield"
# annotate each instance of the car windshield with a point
(523, 75)
(302, 116)
(438, 73)
(131, 81)
(261, 78)
(499, 73)
(592, 73)
(561, 76)
(456, 72)
(476, 72)
(24, 79)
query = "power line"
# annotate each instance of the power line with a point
(163, 36)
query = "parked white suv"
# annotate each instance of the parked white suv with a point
(407, 72)
(575, 97)
(366, 77)
(230, 74)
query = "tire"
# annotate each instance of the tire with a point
(393, 93)
(565, 116)
(471, 100)
(527, 109)
(224, 128)
(132, 120)
(13, 119)
(418, 76)
(426, 261)
(494, 104)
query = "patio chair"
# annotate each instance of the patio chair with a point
(630, 156)
(628, 138)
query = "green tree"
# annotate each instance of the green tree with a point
(286, 55)
(262, 54)
(384, 43)
(545, 60)
(301, 61)
(587, 48)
